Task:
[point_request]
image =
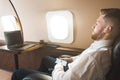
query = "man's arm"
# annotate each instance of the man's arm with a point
(77, 70)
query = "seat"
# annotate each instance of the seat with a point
(38, 76)
(114, 73)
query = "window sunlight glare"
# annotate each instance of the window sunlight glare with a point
(9, 23)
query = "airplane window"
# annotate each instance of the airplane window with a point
(60, 26)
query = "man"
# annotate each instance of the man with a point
(93, 63)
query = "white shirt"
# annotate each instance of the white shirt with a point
(91, 64)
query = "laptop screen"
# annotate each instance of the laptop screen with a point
(14, 38)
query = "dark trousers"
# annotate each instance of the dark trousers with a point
(21, 73)
(47, 66)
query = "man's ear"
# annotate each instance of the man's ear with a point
(108, 29)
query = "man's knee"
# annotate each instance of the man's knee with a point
(21, 73)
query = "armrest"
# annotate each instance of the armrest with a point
(65, 56)
(38, 76)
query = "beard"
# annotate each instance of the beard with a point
(97, 36)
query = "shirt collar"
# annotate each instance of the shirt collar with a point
(101, 43)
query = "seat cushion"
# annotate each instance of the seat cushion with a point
(38, 76)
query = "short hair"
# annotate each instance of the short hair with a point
(112, 15)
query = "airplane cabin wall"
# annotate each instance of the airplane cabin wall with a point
(32, 16)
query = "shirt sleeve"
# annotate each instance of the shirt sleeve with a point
(80, 69)
(73, 58)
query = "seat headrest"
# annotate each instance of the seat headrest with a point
(116, 55)
(114, 72)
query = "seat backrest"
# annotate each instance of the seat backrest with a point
(114, 73)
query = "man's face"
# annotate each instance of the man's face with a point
(98, 28)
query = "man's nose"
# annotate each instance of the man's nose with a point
(93, 26)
